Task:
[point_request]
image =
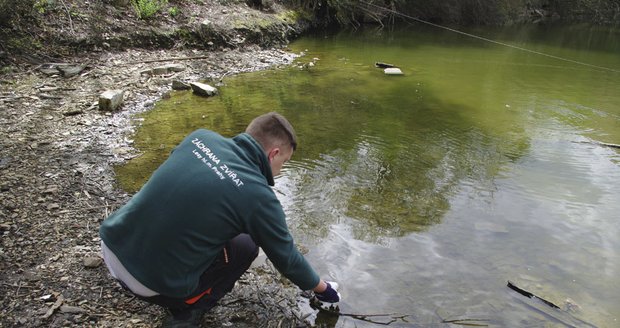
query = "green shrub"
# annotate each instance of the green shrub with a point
(41, 6)
(147, 8)
(173, 11)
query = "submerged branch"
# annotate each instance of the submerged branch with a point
(608, 144)
(390, 318)
(467, 322)
(530, 295)
(548, 309)
(604, 144)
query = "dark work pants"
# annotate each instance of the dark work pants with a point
(214, 283)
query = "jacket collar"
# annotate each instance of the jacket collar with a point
(257, 154)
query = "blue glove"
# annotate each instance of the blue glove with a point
(330, 294)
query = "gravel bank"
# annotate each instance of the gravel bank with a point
(57, 184)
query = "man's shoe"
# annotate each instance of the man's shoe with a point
(189, 319)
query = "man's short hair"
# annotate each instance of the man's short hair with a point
(272, 130)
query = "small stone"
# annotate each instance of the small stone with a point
(4, 162)
(73, 112)
(203, 89)
(160, 70)
(53, 206)
(69, 71)
(121, 150)
(175, 67)
(180, 85)
(50, 190)
(49, 71)
(92, 262)
(71, 309)
(111, 100)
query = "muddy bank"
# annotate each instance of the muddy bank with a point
(46, 31)
(57, 152)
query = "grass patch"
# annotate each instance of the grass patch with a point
(145, 9)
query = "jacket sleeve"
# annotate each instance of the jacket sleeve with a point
(269, 230)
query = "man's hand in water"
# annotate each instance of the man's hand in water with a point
(330, 294)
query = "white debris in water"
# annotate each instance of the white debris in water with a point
(393, 71)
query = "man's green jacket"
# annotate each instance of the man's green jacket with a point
(207, 192)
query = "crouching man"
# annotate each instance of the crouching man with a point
(195, 227)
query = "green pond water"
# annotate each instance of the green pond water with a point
(424, 194)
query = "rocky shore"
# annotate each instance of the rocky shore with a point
(57, 183)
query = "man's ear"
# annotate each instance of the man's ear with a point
(273, 153)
